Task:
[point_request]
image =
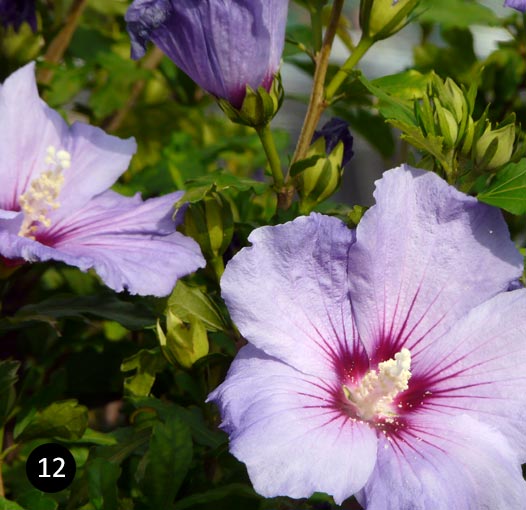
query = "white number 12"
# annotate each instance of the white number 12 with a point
(57, 472)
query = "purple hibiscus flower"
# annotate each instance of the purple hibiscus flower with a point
(519, 5)
(15, 12)
(55, 203)
(386, 362)
(222, 45)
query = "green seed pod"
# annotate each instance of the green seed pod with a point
(184, 342)
(259, 106)
(211, 224)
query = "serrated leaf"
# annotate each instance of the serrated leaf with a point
(102, 476)
(192, 417)
(391, 107)
(217, 181)
(187, 301)
(167, 462)
(508, 189)
(63, 420)
(147, 363)
(406, 85)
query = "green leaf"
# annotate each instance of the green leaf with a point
(233, 489)
(102, 478)
(457, 13)
(146, 364)
(5, 504)
(64, 420)
(37, 500)
(218, 181)
(390, 106)
(8, 378)
(187, 301)
(192, 417)
(508, 189)
(167, 462)
(407, 85)
(133, 316)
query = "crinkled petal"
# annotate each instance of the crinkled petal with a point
(424, 255)
(283, 426)
(132, 245)
(287, 293)
(457, 463)
(478, 367)
(97, 159)
(222, 46)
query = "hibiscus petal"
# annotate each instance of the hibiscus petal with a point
(25, 138)
(132, 245)
(454, 463)
(97, 159)
(287, 432)
(424, 255)
(287, 293)
(478, 366)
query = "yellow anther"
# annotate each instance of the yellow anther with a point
(42, 195)
(377, 390)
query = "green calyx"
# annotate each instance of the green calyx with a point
(259, 106)
(319, 175)
(210, 222)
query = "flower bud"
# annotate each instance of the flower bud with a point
(184, 342)
(318, 176)
(211, 224)
(447, 123)
(223, 46)
(15, 12)
(495, 147)
(380, 19)
(258, 107)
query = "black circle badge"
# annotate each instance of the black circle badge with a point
(50, 467)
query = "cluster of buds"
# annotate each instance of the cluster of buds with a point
(452, 138)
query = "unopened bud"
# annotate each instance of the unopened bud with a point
(318, 176)
(184, 342)
(495, 147)
(211, 224)
(259, 106)
(380, 19)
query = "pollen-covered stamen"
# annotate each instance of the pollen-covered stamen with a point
(43, 192)
(377, 390)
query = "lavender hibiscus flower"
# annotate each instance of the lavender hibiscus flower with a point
(15, 12)
(386, 362)
(55, 203)
(222, 45)
(519, 5)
